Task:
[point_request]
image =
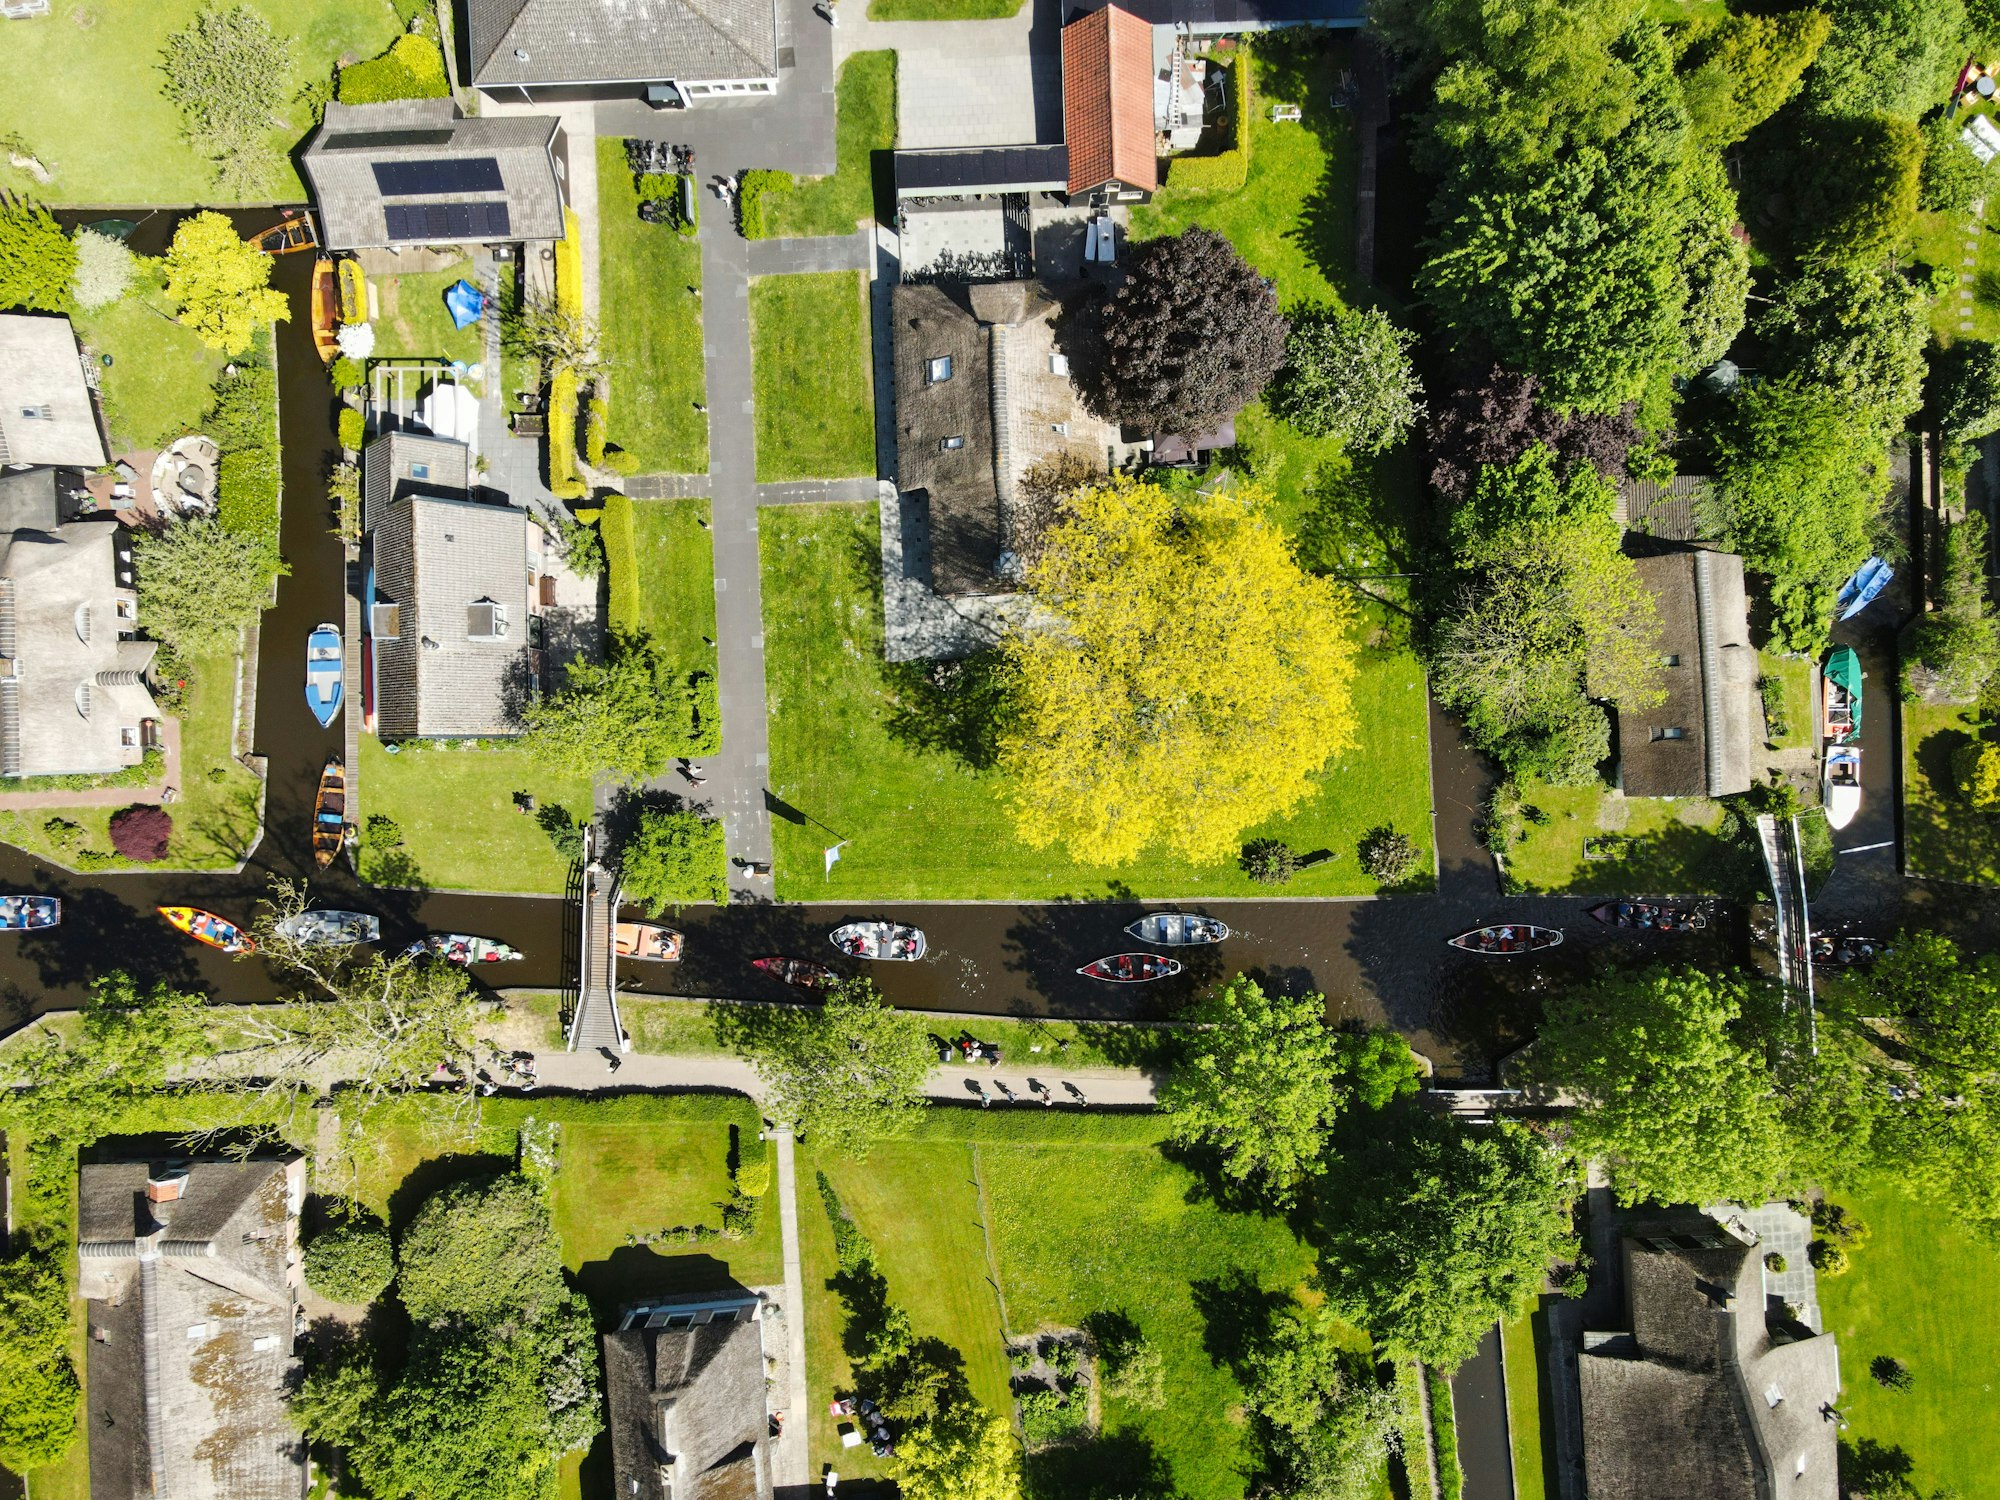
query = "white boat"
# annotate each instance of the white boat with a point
(1842, 793)
(1178, 929)
(887, 941)
(331, 929)
(325, 662)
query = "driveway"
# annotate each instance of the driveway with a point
(969, 83)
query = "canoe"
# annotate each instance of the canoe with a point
(1178, 929)
(802, 972)
(646, 940)
(1841, 793)
(889, 942)
(326, 664)
(295, 233)
(207, 927)
(325, 309)
(353, 293)
(1841, 688)
(1131, 968)
(460, 948)
(1509, 938)
(25, 913)
(331, 929)
(330, 812)
(1652, 916)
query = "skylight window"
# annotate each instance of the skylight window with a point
(939, 370)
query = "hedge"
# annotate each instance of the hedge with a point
(412, 68)
(1227, 171)
(752, 216)
(353, 429)
(563, 483)
(595, 421)
(1444, 1432)
(569, 266)
(246, 487)
(618, 527)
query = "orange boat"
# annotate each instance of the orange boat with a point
(295, 233)
(325, 308)
(330, 813)
(207, 927)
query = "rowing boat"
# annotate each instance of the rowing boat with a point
(462, 948)
(886, 941)
(1131, 968)
(294, 233)
(330, 929)
(325, 309)
(802, 972)
(207, 927)
(1178, 929)
(1509, 938)
(25, 913)
(1652, 916)
(330, 812)
(646, 940)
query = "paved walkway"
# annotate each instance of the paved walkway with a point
(968, 83)
(844, 252)
(818, 491)
(794, 1466)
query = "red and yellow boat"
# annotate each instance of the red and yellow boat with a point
(325, 308)
(207, 927)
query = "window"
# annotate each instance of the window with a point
(1774, 1395)
(128, 736)
(938, 370)
(1059, 428)
(1671, 659)
(264, 1343)
(128, 609)
(420, 471)
(1671, 732)
(485, 621)
(38, 413)
(950, 444)
(385, 622)
(197, 1330)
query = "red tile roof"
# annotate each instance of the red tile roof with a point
(1108, 100)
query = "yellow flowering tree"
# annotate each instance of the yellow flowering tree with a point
(222, 284)
(1194, 681)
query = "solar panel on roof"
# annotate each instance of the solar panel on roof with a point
(450, 174)
(386, 140)
(446, 221)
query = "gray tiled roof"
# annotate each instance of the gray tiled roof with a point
(689, 1403)
(41, 370)
(182, 1401)
(620, 41)
(1711, 692)
(389, 465)
(933, 322)
(340, 165)
(435, 559)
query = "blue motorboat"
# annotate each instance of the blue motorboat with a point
(325, 663)
(1861, 590)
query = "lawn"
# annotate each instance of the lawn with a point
(676, 566)
(795, 208)
(216, 816)
(1348, 516)
(918, 1206)
(1921, 1290)
(1943, 836)
(1940, 241)
(815, 390)
(651, 304)
(1670, 846)
(1294, 218)
(161, 376)
(1794, 675)
(83, 92)
(922, 823)
(414, 324)
(1527, 1399)
(454, 802)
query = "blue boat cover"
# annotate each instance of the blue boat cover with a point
(1859, 591)
(465, 302)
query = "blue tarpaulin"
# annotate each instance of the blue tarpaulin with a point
(465, 302)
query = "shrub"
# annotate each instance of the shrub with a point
(352, 1261)
(595, 423)
(583, 548)
(1129, 1365)
(1022, 1356)
(353, 429)
(1775, 1263)
(563, 483)
(1226, 171)
(753, 1174)
(62, 834)
(1388, 856)
(104, 268)
(246, 491)
(753, 213)
(1975, 771)
(412, 68)
(1444, 1434)
(381, 834)
(349, 374)
(618, 532)
(1049, 1417)
(563, 830)
(1269, 861)
(142, 832)
(1062, 1355)
(621, 461)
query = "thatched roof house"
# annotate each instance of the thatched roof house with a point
(1702, 739)
(689, 1416)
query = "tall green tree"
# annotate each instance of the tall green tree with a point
(1431, 1232)
(1944, 1004)
(481, 1252)
(851, 1069)
(1258, 1081)
(1348, 376)
(1856, 195)
(1963, 390)
(1893, 56)
(1955, 649)
(229, 73)
(38, 1384)
(673, 859)
(222, 283)
(201, 585)
(1715, 263)
(37, 260)
(1858, 332)
(1743, 69)
(1674, 1085)
(1953, 176)
(630, 715)
(1328, 1421)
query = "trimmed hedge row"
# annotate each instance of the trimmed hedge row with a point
(753, 214)
(563, 482)
(1227, 171)
(617, 527)
(1444, 1432)
(243, 421)
(569, 266)
(412, 68)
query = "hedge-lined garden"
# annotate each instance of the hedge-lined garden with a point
(1222, 171)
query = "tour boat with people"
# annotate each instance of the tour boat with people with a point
(1841, 794)
(462, 948)
(646, 940)
(294, 232)
(887, 942)
(330, 929)
(1652, 916)
(325, 308)
(1504, 939)
(1178, 929)
(1131, 968)
(206, 927)
(1846, 950)
(330, 812)
(326, 664)
(25, 913)
(800, 972)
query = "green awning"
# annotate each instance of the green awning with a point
(1843, 669)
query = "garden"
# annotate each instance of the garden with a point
(850, 749)
(777, 205)
(158, 383)
(813, 371)
(413, 322)
(1945, 836)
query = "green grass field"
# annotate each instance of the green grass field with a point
(1920, 1290)
(1943, 836)
(865, 99)
(814, 378)
(161, 376)
(413, 321)
(1527, 1398)
(650, 279)
(1796, 675)
(1939, 240)
(921, 822)
(461, 830)
(1670, 850)
(82, 88)
(676, 563)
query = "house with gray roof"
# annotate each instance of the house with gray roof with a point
(672, 53)
(689, 1414)
(420, 172)
(73, 694)
(450, 601)
(1713, 1390)
(48, 394)
(190, 1270)
(1701, 740)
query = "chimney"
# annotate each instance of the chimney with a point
(166, 1185)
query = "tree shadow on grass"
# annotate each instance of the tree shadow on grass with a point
(1108, 1468)
(956, 708)
(1302, 67)
(1237, 1315)
(1867, 1466)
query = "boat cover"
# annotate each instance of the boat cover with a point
(1843, 668)
(1859, 591)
